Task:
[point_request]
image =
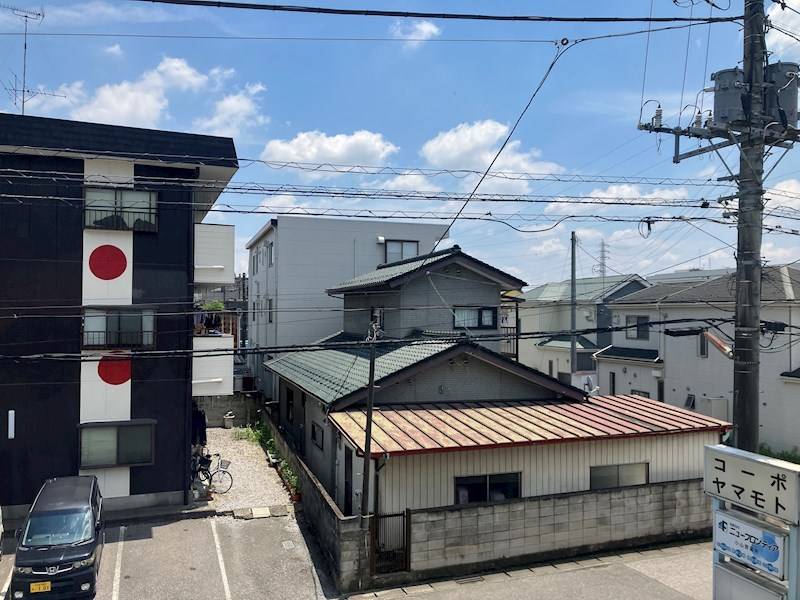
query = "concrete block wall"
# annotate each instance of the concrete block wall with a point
(244, 407)
(556, 526)
(341, 538)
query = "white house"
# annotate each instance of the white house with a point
(547, 308)
(678, 365)
(294, 259)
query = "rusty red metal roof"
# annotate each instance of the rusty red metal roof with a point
(447, 427)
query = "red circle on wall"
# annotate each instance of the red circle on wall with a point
(114, 370)
(107, 262)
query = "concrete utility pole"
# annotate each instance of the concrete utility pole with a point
(374, 333)
(748, 113)
(573, 308)
(748, 247)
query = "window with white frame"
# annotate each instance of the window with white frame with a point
(122, 443)
(615, 476)
(118, 208)
(118, 328)
(474, 317)
(401, 249)
(637, 327)
(702, 345)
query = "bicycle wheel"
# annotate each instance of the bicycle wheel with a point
(221, 481)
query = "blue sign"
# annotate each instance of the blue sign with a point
(750, 543)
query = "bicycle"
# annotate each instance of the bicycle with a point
(218, 479)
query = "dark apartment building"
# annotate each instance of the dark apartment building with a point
(102, 250)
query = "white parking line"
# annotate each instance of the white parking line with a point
(118, 564)
(221, 561)
(4, 589)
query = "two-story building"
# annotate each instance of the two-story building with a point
(474, 456)
(102, 248)
(678, 364)
(294, 259)
(548, 307)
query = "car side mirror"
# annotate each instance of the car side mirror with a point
(98, 526)
(18, 533)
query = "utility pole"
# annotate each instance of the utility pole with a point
(373, 335)
(573, 308)
(746, 394)
(752, 110)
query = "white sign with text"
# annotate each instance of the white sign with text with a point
(750, 543)
(765, 485)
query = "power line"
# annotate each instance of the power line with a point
(433, 15)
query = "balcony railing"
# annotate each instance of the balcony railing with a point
(118, 339)
(508, 345)
(120, 219)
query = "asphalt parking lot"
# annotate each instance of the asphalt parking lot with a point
(212, 558)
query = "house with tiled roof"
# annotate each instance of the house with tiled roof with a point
(690, 365)
(547, 308)
(460, 430)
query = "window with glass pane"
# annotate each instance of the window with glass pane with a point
(471, 489)
(394, 251)
(634, 474)
(118, 329)
(613, 476)
(466, 317)
(107, 208)
(503, 486)
(410, 249)
(135, 445)
(603, 477)
(488, 317)
(94, 328)
(98, 446)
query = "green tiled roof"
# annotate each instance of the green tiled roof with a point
(333, 374)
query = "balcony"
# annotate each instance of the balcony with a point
(120, 209)
(212, 372)
(213, 254)
(118, 328)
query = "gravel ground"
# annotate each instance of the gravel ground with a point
(255, 483)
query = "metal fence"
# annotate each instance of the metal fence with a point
(390, 543)
(118, 339)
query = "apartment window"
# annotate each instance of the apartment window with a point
(118, 328)
(317, 435)
(550, 368)
(615, 476)
(637, 328)
(612, 383)
(702, 345)
(640, 393)
(487, 488)
(400, 250)
(269, 310)
(690, 401)
(270, 254)
(108, 208)
(475, 317)
(290, 406)
(112, 444)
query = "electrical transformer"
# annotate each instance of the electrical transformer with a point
(781, 103)
(728, 88)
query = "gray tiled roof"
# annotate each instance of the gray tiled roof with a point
(587, 288)
(624, 352)
(388, 272)
(563, 341)
(333, 374)
(778, 283)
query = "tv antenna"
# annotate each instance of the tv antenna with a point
(22, 94)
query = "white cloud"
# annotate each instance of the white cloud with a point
(360, 147)
(414, 33)
(776, 255)
(779, 43)
(474, 145)
(143, 102)
(410, 181)
(113, 50)
(548, 246)
(234, 113)
(614, 193)
(103, 11)
(219, 76)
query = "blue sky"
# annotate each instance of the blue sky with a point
(407, 102)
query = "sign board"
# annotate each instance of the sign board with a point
(750, 543)
(758, 483)
(731, 584)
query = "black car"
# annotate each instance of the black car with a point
(60, 542)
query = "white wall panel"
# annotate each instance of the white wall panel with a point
(114, 482)
(213, 253)
(427, 480)
(104, 283)
(212, 375)
(101, 401)
(102, 171)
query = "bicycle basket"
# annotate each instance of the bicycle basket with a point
(224, 464)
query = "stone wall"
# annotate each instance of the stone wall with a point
(244, 407)
(340, 538)
(525, 530)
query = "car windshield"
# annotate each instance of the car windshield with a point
(58, 528)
